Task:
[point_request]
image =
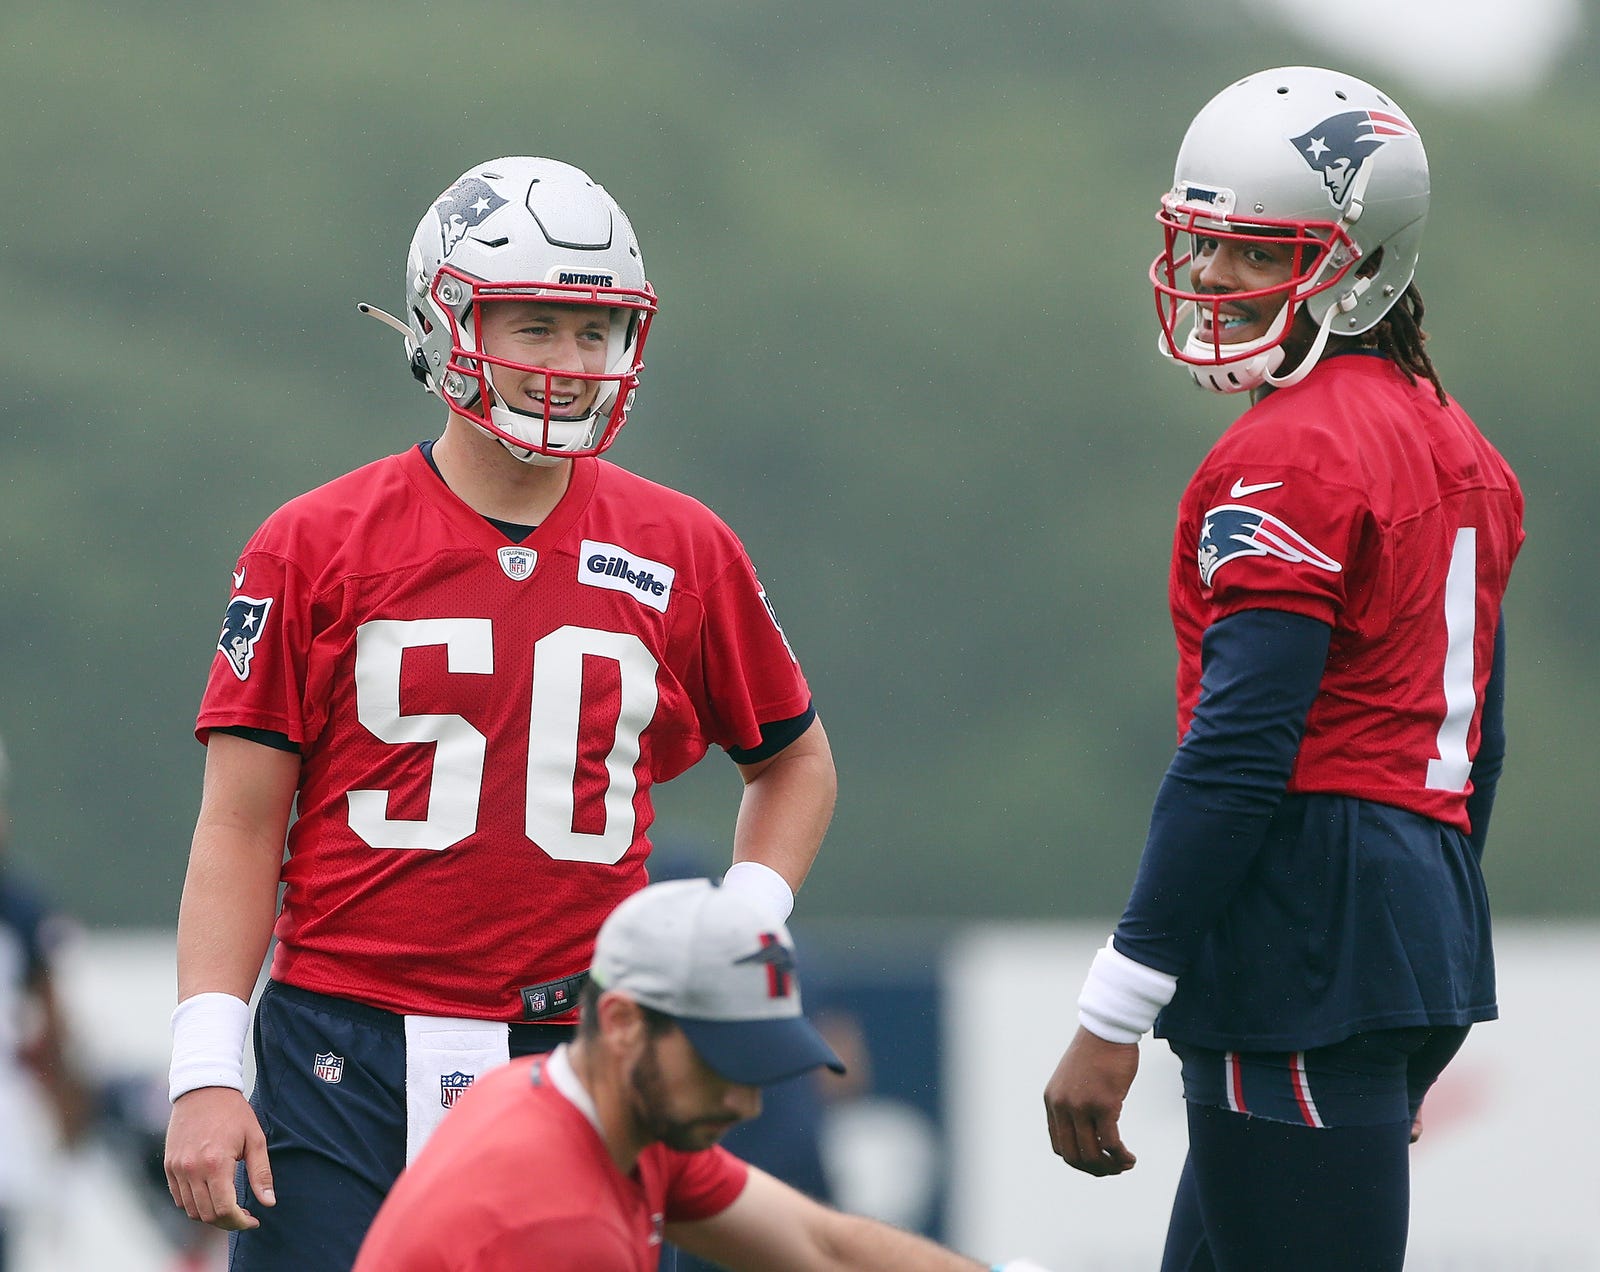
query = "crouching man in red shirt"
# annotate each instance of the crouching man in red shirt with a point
(584, 1160)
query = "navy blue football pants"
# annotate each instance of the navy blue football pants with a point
(1315, 1175)
(330, 1094)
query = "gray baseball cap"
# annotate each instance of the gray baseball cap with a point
(723, 969)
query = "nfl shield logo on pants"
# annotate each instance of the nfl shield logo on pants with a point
(451, 1085)
(329, 1067)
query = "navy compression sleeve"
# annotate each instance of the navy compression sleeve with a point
(1486, 765)
(1260, 671)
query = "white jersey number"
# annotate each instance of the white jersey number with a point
(1449, 770)
(554, 728)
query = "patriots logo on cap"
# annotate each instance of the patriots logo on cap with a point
(451, 1085)
(1338, 146)
(463, 207)
(780, 964)
(1236, 530)
(242, 626)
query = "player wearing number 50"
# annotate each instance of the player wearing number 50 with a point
(463, 667)
(1309, 927)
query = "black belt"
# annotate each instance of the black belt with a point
(552, 998)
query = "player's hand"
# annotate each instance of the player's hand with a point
(1083, 1102)
(1416, 1128)
(211, 1130)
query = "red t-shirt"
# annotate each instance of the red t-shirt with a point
(481, 722)
(1355, 499)
(517, 1178)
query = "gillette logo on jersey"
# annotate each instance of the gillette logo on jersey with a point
(606, 565)
(1237, 530)
(1338, 146)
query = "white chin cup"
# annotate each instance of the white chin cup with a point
(1261, 356)
(562, 434)
(1233, 377)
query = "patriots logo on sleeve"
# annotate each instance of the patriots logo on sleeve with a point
(463, 207)
(1236, 530)
(242, 626)
(1337, 147)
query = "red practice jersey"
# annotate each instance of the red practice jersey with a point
(517, 1177)
(481, 722)
(1355, 499)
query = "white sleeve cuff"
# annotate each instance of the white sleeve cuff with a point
(1121, 998)
(208, 1036)
(763, 885)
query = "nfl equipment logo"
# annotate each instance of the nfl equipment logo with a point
(518, 562)
(538, 1001)
(451, 1085)
(329, 1067)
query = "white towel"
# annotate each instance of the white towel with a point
(444, 1056)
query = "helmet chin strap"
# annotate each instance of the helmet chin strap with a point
(1303, 367)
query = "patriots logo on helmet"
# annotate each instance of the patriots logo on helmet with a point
(1337, 147)
(463, 207)
(242, 626)
(1236, 530)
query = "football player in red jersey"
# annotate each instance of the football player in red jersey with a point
(586, 1159)
(462, 668)
(1308, 926)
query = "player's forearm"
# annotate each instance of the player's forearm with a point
(230, 894)
(225, 918)
(787, 805)
(849, 1243)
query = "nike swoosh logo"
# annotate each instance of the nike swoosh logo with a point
(1240, 490)
(238, 577)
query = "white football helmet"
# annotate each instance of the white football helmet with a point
(525, 229)
(1312, 157)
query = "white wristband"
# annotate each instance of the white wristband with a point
(208, 1033)
(1121, 998)
(763, 885)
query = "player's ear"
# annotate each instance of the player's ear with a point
(622, 1023)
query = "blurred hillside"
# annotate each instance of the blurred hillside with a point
(906, 348)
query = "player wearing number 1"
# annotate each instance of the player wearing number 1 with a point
(463, 668)
(1309, 927)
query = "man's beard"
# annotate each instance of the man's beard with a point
(649, 1110)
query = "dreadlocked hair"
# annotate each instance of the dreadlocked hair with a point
(1400, 338)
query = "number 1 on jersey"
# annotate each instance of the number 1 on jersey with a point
(1450, 769)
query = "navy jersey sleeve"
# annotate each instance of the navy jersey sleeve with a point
(1260, 671)
(1486, 765)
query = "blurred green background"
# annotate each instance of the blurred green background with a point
(906, 348)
